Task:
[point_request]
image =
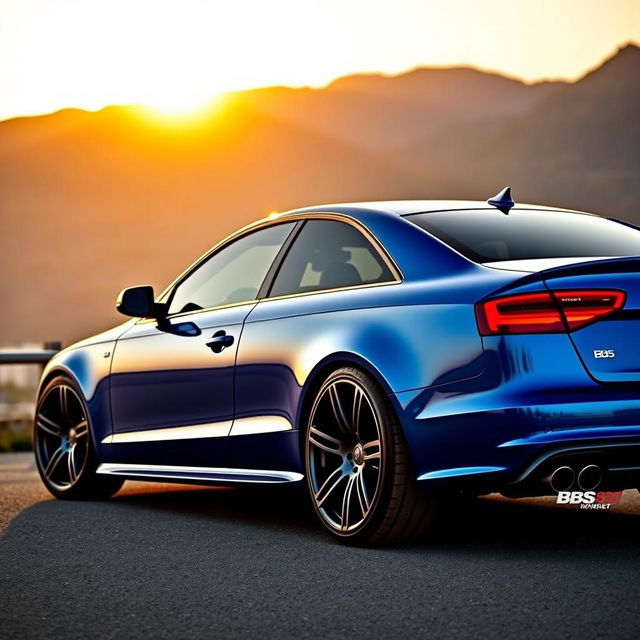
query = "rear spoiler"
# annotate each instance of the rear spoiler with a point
(629, 264)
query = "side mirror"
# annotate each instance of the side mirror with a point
(138, 302)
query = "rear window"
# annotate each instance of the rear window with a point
(488, 235)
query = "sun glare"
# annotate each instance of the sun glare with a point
(177, 106)
(177, 109)
(180, 112)
(184, 98)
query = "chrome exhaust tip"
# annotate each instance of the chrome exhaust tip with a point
(562, 479)
(590, 477)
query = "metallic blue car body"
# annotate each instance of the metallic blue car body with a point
(482, 413)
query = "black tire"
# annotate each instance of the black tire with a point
(63, 445)
(349, 415)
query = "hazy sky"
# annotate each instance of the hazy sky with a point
(177, 54)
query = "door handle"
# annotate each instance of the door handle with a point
(219, 341)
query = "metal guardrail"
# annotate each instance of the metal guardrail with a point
(17, 423)
(23, 356)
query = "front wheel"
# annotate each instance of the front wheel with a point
(359, 474)
(64, 452)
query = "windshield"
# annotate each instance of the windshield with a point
(488, 235)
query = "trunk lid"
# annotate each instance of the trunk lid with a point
(610, 347)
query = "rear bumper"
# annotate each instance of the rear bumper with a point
(533, 400)
(618, 461)
(529, 472)
(492, 449)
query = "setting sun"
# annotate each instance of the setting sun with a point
(171, 113)
(174, 103)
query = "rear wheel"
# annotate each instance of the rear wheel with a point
(64, 451)
(359, 475)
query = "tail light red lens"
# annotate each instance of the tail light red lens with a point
(552, 312)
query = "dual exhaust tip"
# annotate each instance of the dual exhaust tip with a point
(588, 478)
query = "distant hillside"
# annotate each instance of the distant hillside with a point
(381, 113)
(96, 202)
(579, 147)
(93, 202)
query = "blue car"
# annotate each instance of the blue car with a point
(387, 354)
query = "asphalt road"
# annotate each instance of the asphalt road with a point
(179, 562)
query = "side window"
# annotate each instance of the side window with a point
(328, 254)
(233, 274)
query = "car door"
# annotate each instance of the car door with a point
(172, 381)
(329, 267)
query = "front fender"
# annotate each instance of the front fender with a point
(88, 366)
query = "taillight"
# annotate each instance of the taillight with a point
(553, 312)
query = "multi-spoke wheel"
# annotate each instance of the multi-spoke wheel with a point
(359, 476)
(62, 443)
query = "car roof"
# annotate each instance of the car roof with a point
(408, 207)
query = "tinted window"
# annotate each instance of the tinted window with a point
(491, 236)
(233, 274)
(329, 254)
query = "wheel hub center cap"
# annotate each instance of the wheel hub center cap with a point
(358, 454)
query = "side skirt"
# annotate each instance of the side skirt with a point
(197, 474)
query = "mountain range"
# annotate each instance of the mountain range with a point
(91, 202)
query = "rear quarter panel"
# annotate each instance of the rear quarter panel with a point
(408, 335)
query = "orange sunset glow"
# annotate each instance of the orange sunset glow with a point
(233, 110)
(175, 57)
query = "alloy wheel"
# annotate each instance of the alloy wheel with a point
(344, 455)
(61, 437)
